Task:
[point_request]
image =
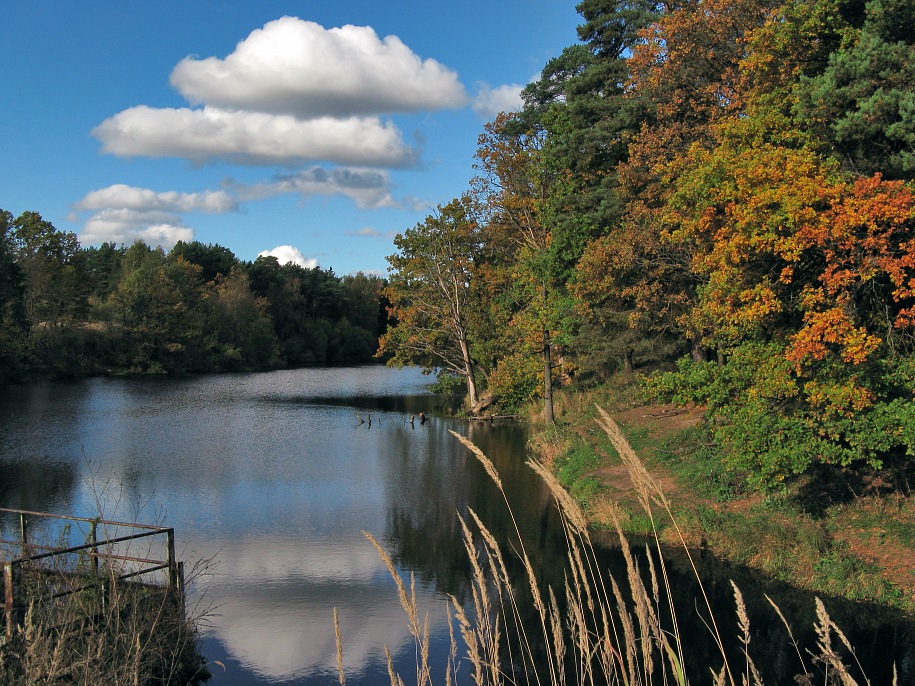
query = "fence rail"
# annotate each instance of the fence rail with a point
(46, 560)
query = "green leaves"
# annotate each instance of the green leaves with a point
(435, 288)
(863, 103)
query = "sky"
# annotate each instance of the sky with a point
(313, 131)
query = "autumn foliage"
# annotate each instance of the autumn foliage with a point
(730, 183)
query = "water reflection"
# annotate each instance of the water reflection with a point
(276, 601)
(40, 484)
(268, 476)
(273, 478)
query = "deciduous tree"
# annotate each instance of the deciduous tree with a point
(432, 290)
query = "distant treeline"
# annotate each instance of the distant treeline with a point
(72, 311)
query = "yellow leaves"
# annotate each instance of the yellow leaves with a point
(844, 398)
(764, 220)
(787, 275)
(731, 309)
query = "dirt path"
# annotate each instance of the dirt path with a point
(655, 424)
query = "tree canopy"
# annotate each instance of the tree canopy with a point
(727, 183)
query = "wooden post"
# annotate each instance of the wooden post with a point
(181, 589)
(24, 535)
(11, 601)
(93, 554)
(172, 562)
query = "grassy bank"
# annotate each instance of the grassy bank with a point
(848, 533)
(615, 625)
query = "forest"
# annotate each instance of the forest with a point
(717, 193)
(66, 310)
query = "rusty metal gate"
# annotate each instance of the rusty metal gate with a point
(107, 555)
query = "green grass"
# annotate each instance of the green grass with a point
(842, 573)
(575, 464)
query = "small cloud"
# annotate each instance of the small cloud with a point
(368, 188)
(367, 232)
(286, 254)
(126, 214)
(142, 199)
(418, 204)
(491, 101)
(370, 232)
(126, 226)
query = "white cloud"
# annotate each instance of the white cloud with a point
(124, 225)
(278, 590)
(367, 232)
(418, 204)
(368, 188)
(130, 197)
(124, 214)
(370, 232)
(291, 93)
(297, 67)
(286, 254)
(490, 101)
(209, 134)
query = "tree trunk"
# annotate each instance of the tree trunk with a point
(468, 373)
(698, 353)
(547, 379)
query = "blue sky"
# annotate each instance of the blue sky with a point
(325, 127)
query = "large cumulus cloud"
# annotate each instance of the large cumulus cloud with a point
(300, 68)
(255, 138)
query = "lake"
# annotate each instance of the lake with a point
(270, 480)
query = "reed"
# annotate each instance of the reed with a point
(611, 631)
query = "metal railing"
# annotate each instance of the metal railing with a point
(46, 560)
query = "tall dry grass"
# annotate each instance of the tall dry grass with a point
(606, 630)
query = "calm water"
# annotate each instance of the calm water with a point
(270, 479)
